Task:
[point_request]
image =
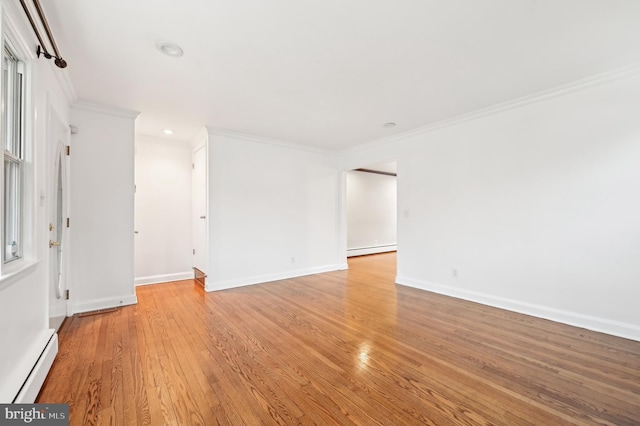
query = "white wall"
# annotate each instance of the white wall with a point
(102, 207)
(536, 207)
(163, 249)
(371, 213)
(24, 296)
(273, 211)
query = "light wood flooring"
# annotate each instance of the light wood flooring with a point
(347, 347)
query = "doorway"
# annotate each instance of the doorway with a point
(58, 222)
(199, 214)
(371, 209)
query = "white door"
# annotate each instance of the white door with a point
(199, 209)
(58, 137)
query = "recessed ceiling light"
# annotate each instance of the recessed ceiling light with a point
(168, 131)
(170, 49)
(389, 124)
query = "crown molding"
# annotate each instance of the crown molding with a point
(214, 131)
(105, 109)
(561, 90)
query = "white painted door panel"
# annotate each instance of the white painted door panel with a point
(199, 210)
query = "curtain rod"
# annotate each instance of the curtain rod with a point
(42, 49)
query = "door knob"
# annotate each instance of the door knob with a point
(54, 243)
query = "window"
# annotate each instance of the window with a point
(12, 128)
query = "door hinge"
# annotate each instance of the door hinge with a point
(68, 221)
(68, 149)
(67, 294)
(193, 166)
(194, 251)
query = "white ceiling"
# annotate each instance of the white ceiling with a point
(330, 73)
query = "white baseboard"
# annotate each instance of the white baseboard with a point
(241, 282)
(603, 325)
(32, 385)
(371, 250)
(58, 311)
(164, 278)
(111, 302)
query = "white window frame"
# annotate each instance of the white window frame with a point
(13, 126)
(14, 35)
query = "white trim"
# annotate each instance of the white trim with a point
(199, 140)
(371, 250)
(32, 385)
(12, 274)
(214, 131)
(16, 28)
(105, 109)
(111, 302)
(603, 325)
(21, 373)
(163, 278)
(13, 34)
(564, 89)
(55, 156)
(260, 279)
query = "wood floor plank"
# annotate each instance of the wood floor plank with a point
(346, 348)
(161, 408)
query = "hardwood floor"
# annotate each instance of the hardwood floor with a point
(346, 347)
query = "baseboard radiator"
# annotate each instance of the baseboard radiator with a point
(362, 251)
(31, 387)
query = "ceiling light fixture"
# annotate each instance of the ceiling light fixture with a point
(170, 49)
(389, 124)
(168, 131)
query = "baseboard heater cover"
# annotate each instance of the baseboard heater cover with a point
(31, 387)
(362, 251)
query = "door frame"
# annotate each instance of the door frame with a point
(57, 155)
(197, 148)
(342, 205)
